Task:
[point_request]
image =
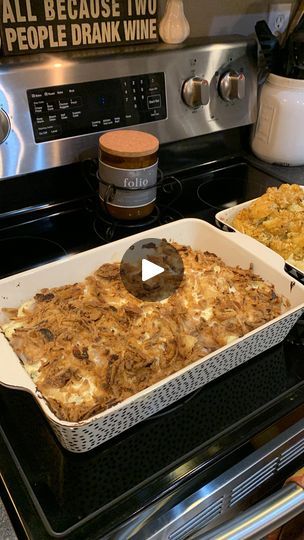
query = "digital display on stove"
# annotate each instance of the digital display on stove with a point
(58, 112)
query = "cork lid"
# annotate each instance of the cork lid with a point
(128, 143)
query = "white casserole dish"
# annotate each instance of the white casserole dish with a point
(235, 249)
(224, 220)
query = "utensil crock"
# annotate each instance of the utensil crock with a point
(278, 136)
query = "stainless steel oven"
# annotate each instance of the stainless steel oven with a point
(204, 461)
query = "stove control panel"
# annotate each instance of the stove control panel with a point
(58, 112)
(53, 108)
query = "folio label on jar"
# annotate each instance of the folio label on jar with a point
(133, 187)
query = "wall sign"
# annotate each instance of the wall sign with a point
(32, 26)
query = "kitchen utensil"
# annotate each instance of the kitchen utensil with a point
(293, 21)
(269, 44)
(235, 249)
(224, 220)
(294, 53)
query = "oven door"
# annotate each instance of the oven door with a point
(227, 507)
(264, 517)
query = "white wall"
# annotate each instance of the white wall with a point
(215, 17)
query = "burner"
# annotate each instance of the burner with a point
(229, 189)
(107, 228)
(20, 253)
(221, 194)
(171, 188)
(168, 214)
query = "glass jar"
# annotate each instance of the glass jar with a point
(128, 164)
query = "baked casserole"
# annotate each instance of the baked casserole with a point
(90, 345)
(277, 220)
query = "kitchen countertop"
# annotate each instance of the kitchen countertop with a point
(294, 175)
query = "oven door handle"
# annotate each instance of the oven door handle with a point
(262, 518)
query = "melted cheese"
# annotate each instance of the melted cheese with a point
(9, 328)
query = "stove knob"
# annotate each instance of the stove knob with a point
(196, 92)
(5, 126)
(232, 86)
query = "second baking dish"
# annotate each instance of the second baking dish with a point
(224, 220)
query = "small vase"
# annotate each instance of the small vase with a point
(174, 27)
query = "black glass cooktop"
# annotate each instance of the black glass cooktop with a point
(116, 480)
(84, 496)
(73, 220)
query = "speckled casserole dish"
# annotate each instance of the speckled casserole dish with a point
(234, 249)
(224, 220)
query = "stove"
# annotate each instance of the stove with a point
(147, 482)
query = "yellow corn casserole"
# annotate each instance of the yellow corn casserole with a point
(277, 220)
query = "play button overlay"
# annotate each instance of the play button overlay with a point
(152, 270)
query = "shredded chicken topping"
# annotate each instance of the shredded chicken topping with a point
(277, 220)
(91, 345)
